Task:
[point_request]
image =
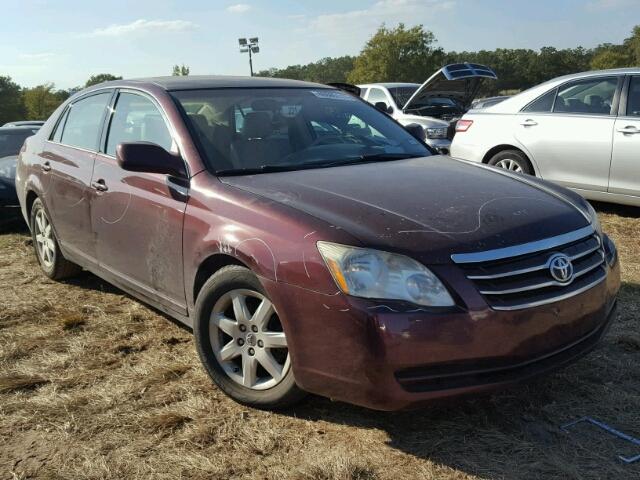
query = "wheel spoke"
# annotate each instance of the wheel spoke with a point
(229, 351)
(270, 364)
(47, 230)
(39, 222)
(226, 325)
(274, 339)
(240, 309)
(263, 314)
(39, 238)
(249, 370)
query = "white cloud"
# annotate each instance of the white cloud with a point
(356, 23)
(597, 5)
(143, 26)
(239, 8)
(42, 56)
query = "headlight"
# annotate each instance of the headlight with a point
(439, 132)
(8, 168)
(594, 219)
(363, 272)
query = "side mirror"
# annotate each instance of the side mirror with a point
(384, 108)
(149, 158)
(416, 131)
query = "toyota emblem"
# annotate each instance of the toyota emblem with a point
(561, 268)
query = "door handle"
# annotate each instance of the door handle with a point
(529, 123)
(629, 129)
(99, 186)
(46, 166)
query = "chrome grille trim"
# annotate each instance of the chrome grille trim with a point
(523, 249)
(533, 269)
(524, 280)
(538, 286)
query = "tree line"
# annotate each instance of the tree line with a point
(397, 54)
(37, 103)
(404, 54)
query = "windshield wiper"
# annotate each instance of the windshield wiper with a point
(373, 157)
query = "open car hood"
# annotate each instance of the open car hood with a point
(459, 81)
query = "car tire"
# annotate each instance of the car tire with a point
(512, 160)
(45, 243)
(237, 332)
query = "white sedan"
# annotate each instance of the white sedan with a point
(581, 131)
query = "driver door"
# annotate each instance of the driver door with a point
(137, 217)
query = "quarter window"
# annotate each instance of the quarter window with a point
(137, 119)
(543, 104)
(84, 121)
(589, 97)
(633, 99)
(57, 134)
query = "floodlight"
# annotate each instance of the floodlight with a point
(255, 49)
(253, 40)
(242, 41)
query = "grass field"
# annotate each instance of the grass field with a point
(95, 385)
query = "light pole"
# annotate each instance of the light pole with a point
(251, 46)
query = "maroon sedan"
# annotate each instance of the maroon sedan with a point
(312, 243)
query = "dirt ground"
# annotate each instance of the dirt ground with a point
(93, 384)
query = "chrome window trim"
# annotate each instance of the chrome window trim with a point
(523, 249)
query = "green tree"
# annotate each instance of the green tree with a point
(99, 78)
(397, 54)
(11, 101)
(610, 58)
(325, 70)
(633, 45)
(180, 71)
(41, 101)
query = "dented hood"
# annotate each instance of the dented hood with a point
(428, 207)
(459, 81)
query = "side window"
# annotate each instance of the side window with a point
(84, 121)
(593, 96)
(633, 98)
(57, 134)
(543, 104)
(377, 95)
(137, 119)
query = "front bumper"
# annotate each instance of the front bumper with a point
(386, 357)
(441, 145)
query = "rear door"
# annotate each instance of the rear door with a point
(67, 159)
(568, 132)
(137, 217)
(625, 161)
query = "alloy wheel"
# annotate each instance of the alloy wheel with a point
(44, 239)
(509, 164)
(247, 339)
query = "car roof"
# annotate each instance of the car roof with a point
(389, 85)
(197, 82)
(19, 129)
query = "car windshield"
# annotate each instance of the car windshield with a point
(269, 129)
(402, 94)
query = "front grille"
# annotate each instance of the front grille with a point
(524, 280)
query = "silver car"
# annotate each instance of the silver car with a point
(581, 131)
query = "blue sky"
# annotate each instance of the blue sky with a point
(67, 40)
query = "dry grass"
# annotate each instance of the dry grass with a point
(95, 385)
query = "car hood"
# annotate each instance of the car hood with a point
(407, 118)
(459, 81)
(428, 207)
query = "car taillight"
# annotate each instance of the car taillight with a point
(463, 125)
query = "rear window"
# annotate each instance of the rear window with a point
(11, 142)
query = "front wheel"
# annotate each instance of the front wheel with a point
(512, 160)
(241, 341)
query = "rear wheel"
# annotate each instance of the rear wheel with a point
(241, 341)
(51, 260)
(512, 160)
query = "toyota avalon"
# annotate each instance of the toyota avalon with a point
(313, 244)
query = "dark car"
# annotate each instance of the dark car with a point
(11, 141)
(25, 123)
(314, 245)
